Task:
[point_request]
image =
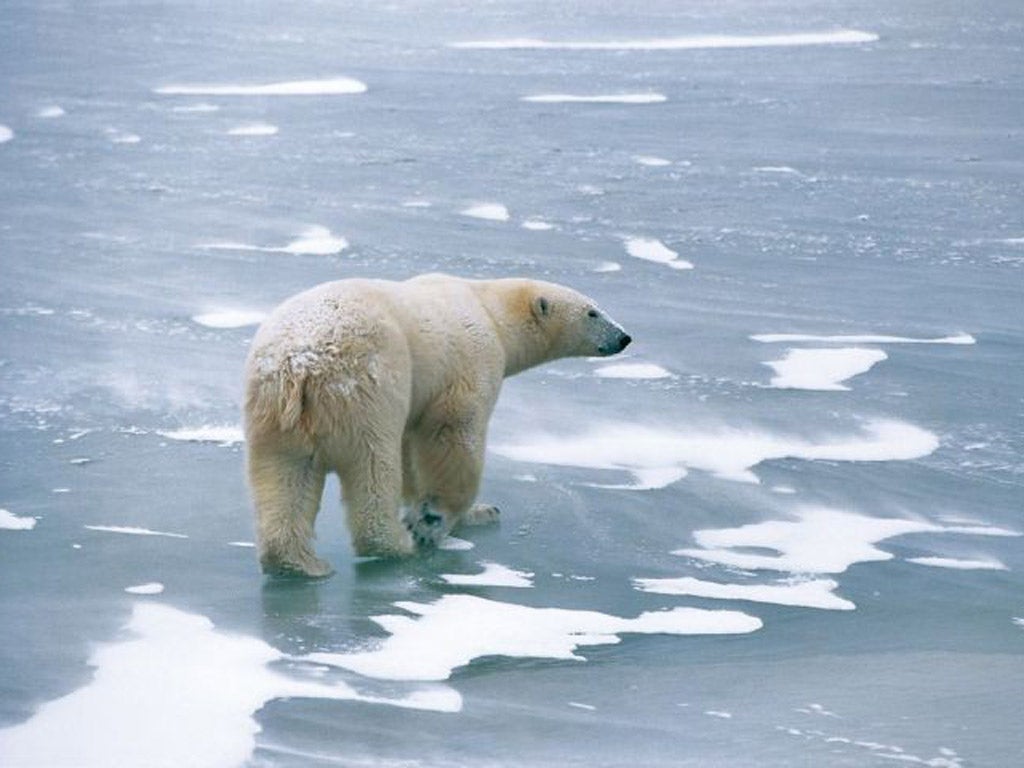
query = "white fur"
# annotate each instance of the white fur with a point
(391, 386)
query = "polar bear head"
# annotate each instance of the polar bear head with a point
(573, 325)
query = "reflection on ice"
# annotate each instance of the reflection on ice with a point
(657, 457)
(176, 692)
(456, 629)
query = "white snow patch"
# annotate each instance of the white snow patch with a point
(717, 713)
(316, 241)
(208, 433)
(456, 629)
(244, 544)
(149, 588)
(960, 565)
(818, 593)
(817, 540)
(774, 338)
(328, 87)
(417, 204)
(493, 575)
(783, 169)
(254, 129)
(122, 137)
(689, 42)
(176, 691)
(607, 98)
(199, 108)
(488, 211)
(608, 266)
(581, 705)
(632, 371)
(822, 369)
(51, 112)
(131, 530)
(658, 457)
(652, 249)
(230, 318)
(651, 161)
(537, 225)
(12, 522)
(455, 544)
(6, 134)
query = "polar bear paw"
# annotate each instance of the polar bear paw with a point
(427, 526)
(481, 514)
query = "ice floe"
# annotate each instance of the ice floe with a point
(6, 134)
(131, 530)
(815, 540)
(652, 249)
(12, 522)
(207, 433)
(328, 87)
(632, 371)
(658, 457)
(488, 211)
(254, 129)
(775, 338)
(230, 318)
(456, 629)
(822, 369)
(176, 692)
(493, 575)
(813, 593)
(601, 98)
(957, 564)
(149, 588)
(682, 43)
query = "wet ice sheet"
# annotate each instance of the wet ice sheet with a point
(822, 369)
(175, 692)
(838, 37)
(456, 629)
(658, 457)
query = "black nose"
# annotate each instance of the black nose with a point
(624, 341)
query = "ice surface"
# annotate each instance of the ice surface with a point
(230, 318)
(493, 575)
(774, 338)
(842, 36)
(652, 249)
(327, 87)
(12, 522)
(651, 453)
(816, 540)
(254, 129)
(605, 98)
(488, 211)
(132, 530)
(632, 371)
(814, 593)
(822, 369)
(207, 433)
(155, 696)
(456, 629)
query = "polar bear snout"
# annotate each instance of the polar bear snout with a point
(614, 342)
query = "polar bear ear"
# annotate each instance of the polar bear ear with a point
(541, 307)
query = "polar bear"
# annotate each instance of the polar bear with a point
(391, 386)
